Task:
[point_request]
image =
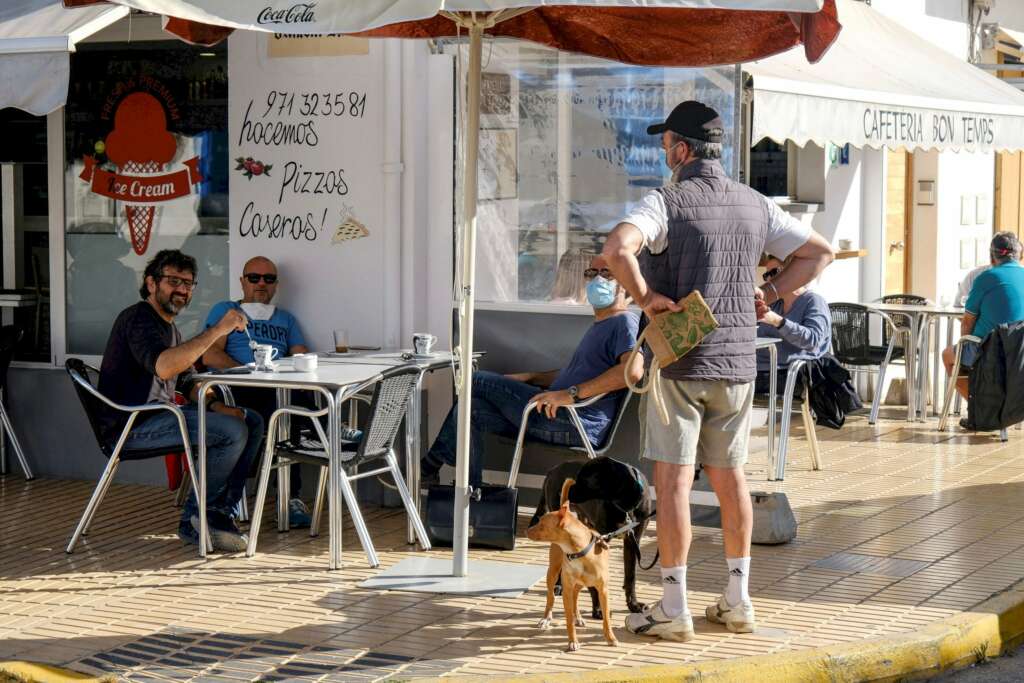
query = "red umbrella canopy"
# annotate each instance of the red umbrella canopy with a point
(653, 36)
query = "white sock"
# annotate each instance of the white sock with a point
(673, 586)
(739, 575)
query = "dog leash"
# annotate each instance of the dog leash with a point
(636, 541)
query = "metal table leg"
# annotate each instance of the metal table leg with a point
(911, 354)
(922, 363)
(773, 367)
(412, 453)
(334, 405)
(283, 472)
(201, 466)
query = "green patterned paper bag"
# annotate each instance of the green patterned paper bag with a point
(673, 335)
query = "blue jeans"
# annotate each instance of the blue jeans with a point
(231, 446)
(497, 408)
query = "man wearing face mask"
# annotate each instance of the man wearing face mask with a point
(268, 324)
(706, 232)
(598, 366)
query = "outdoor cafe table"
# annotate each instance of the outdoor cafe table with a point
(918, 351)
(337, 378)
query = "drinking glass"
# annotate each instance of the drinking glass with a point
(341, 341)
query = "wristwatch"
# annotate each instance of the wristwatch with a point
(574, 392)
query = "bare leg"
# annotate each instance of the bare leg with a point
(730, 485)
(673, 483)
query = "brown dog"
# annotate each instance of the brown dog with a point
(582, 559)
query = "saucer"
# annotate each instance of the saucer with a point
(424, 356)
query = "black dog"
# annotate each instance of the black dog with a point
(607, 496)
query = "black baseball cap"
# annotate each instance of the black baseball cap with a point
(692, 119)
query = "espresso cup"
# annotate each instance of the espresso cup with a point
(305, 362)
(423, 343)
(263, 355)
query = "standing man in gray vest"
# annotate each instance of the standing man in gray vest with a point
(706, 232)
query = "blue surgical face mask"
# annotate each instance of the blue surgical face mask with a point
(601, 293)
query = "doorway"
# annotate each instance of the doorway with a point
(898, 205)
(1009, 194)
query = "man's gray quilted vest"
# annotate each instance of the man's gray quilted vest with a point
(716, 232)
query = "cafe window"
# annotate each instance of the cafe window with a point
(564, 156)
(24, 251)
(147, 169)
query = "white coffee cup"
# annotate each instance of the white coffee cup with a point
(305, 362)
(422, 343)
(263, 355)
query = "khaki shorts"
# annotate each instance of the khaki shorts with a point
(709, 423)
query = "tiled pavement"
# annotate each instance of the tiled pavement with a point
(904, 526)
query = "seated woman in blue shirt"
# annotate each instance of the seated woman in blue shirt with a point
(800, 319)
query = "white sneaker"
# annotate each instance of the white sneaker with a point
(737, 618)
(653, 622)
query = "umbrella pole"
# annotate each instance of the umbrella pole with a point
(460, 530)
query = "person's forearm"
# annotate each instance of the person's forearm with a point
(806, 337)
(620, 250)
(218, 359)
(967, 324)
(612, 379)
(798, 273)
(180, 358)
(297, 348)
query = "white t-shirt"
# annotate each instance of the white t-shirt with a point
(964, 290)
(785, 233)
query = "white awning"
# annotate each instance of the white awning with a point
(880, 85)
(36, 39)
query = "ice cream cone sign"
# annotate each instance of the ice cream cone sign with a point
(141, 148)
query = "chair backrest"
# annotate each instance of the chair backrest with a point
(81, 378)
(850, 332)
(387, 410)
(10, 335)
(609, 437)
(900, 318)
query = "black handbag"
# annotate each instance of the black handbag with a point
(492, 517)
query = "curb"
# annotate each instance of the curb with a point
(991, 628)
(44, 673)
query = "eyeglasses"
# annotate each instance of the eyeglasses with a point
(591, 273)
(769, 274)
(269, 278)
(176, 282)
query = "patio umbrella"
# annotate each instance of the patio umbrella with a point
(682, 33)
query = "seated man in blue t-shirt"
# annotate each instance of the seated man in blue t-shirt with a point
(268, 324)
(996, 298)
(597, 367)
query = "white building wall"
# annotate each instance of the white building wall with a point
(840, 219)
(943, 22)
(1008, 13)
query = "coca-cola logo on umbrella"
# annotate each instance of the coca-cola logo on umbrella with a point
(141, 148)
(299, 13)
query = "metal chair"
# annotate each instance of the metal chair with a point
(387, 410)
(587, 447)
(795, 370)
(10, 335)
(93, 402)
(851, 345)
(1004, 435)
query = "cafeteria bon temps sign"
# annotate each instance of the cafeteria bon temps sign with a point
(928, 128)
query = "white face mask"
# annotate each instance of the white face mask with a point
(257, 311)
(672, 169)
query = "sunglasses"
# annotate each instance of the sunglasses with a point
(769, 274)
(591, 273)
(253, 278)
(176, 282)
